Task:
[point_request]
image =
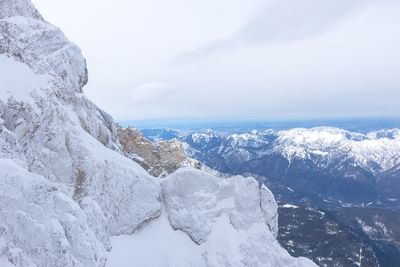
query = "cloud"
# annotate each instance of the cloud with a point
(149, 92)
(280, 21)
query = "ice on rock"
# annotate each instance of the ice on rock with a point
(40, 225)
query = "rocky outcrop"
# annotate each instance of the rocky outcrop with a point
(159, 159)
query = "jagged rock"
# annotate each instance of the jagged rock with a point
(160, 158)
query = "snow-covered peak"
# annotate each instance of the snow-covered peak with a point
(203, 136)
(368, 150)
(301, 142)
(322, 136)
(254, 138)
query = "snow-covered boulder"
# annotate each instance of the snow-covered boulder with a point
(233, 220)
(194, 200)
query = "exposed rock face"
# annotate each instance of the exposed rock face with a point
(160, 158)
(65, 186)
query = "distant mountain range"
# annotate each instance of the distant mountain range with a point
(353, 178)
(337, 164)
(361, 124)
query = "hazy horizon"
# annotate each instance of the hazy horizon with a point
(351, 124)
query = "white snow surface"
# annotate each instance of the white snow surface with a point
(66, 188)
(155, 244)
(158, 244)
(18, 81)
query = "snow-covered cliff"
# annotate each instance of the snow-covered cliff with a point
(65, 185)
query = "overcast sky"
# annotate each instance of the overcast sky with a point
(236, 59)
